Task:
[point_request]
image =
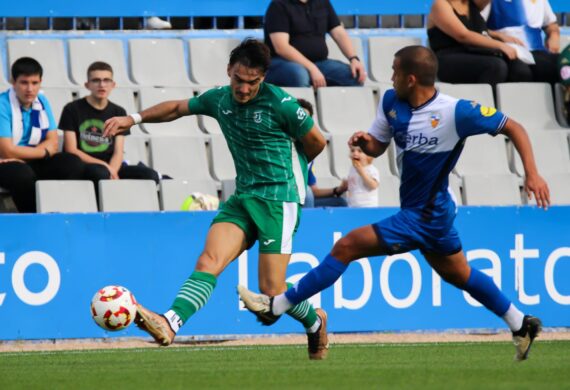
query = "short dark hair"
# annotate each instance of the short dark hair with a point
(306, 105)
(26, 66)
(251, 53)
(419, 61)
(99, 65)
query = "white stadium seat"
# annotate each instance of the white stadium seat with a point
(551, 153)
(127, 195)
(381, 55)
(389, 191)
(136, 149)
(49, 53)
(65, 196)
(209, 59)
(83, 52)
(505, 190)
(221, 159)
(346, 109)
(158, 63)
(481, 93)
(58, 98)
(336, 54)
(182, 158)
(530, 104)
(483, 154)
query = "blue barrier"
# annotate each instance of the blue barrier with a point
(51, 265)
(110, 8)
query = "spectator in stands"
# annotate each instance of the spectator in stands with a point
(525, 20)
(83, 122)
(564, 71)
(295, 32)
(466, 53)
(28, 138)
(362, 181)
(320, 197)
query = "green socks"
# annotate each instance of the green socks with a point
(192, 296)
(304, 313)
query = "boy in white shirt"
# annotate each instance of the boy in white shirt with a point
(362, 181)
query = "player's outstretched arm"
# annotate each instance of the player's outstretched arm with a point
(369, 145)
(313, 143)
(534, 183)
(162, 112)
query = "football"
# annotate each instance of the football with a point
(113, 308)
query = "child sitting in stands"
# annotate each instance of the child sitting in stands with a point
(362, 181)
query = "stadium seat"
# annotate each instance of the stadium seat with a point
(221, 163)
(381, 52)
(389, 191)
(4, 84)
(182, 158)
(58, 98)
(481, 93)
(455, 186)
(158, 63)
(127, 195)
(124, 97)
(83, 52)
(65, 196)
(228, 188)
(336, 54)
(207, 123)
(174, 192)
(505, 190)
(483, 154)
(386, 164)
(530, 104)
(49, 53)
(559, 105)
(212, 72)
(550, 152)
(322, 167)
(346, 109)
(186, 126)
(136, 150)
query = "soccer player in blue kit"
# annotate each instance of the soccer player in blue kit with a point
(429, 130)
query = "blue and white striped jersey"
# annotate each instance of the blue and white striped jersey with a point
(429, 140)
(523, 19)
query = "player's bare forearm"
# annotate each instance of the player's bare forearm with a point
(534, 183)
(519, 137)
(313, 143)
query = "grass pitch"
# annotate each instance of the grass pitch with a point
(354, 366)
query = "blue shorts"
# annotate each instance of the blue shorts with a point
(406, 231)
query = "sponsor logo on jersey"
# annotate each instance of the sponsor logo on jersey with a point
(487, 111)
(257, 116)
(434, 119)
(227, 112)
(301, 114)
(267, 242)
(286, 99)
(404, 139)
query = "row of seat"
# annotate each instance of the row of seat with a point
(168, 62)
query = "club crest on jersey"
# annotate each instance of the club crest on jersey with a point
(257, 116)
(487, 111)
(434, 119)
(392, 114)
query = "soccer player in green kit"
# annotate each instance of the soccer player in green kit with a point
(271, 140)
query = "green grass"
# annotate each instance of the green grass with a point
(349, 366)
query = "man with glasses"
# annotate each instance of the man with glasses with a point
(83, 121)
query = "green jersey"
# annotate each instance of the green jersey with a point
(263, 137)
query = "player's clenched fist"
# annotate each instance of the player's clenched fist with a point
(117, 124)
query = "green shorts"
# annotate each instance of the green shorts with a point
(272, 222)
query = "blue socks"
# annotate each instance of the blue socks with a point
(483, 289)
(316, 280)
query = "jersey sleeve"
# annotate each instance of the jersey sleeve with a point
(276, 18)
(205, 103)
(49, 112)
(549, 15)
(471, 118)
(380, 128)
(373, 172)
(68, 121)
(332, 18)
(297, 122)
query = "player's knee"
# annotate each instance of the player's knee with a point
(343, 250)
(208, 262)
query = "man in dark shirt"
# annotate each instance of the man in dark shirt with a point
(83, 121)
(295, 32)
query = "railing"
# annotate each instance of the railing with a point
(239, 9)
